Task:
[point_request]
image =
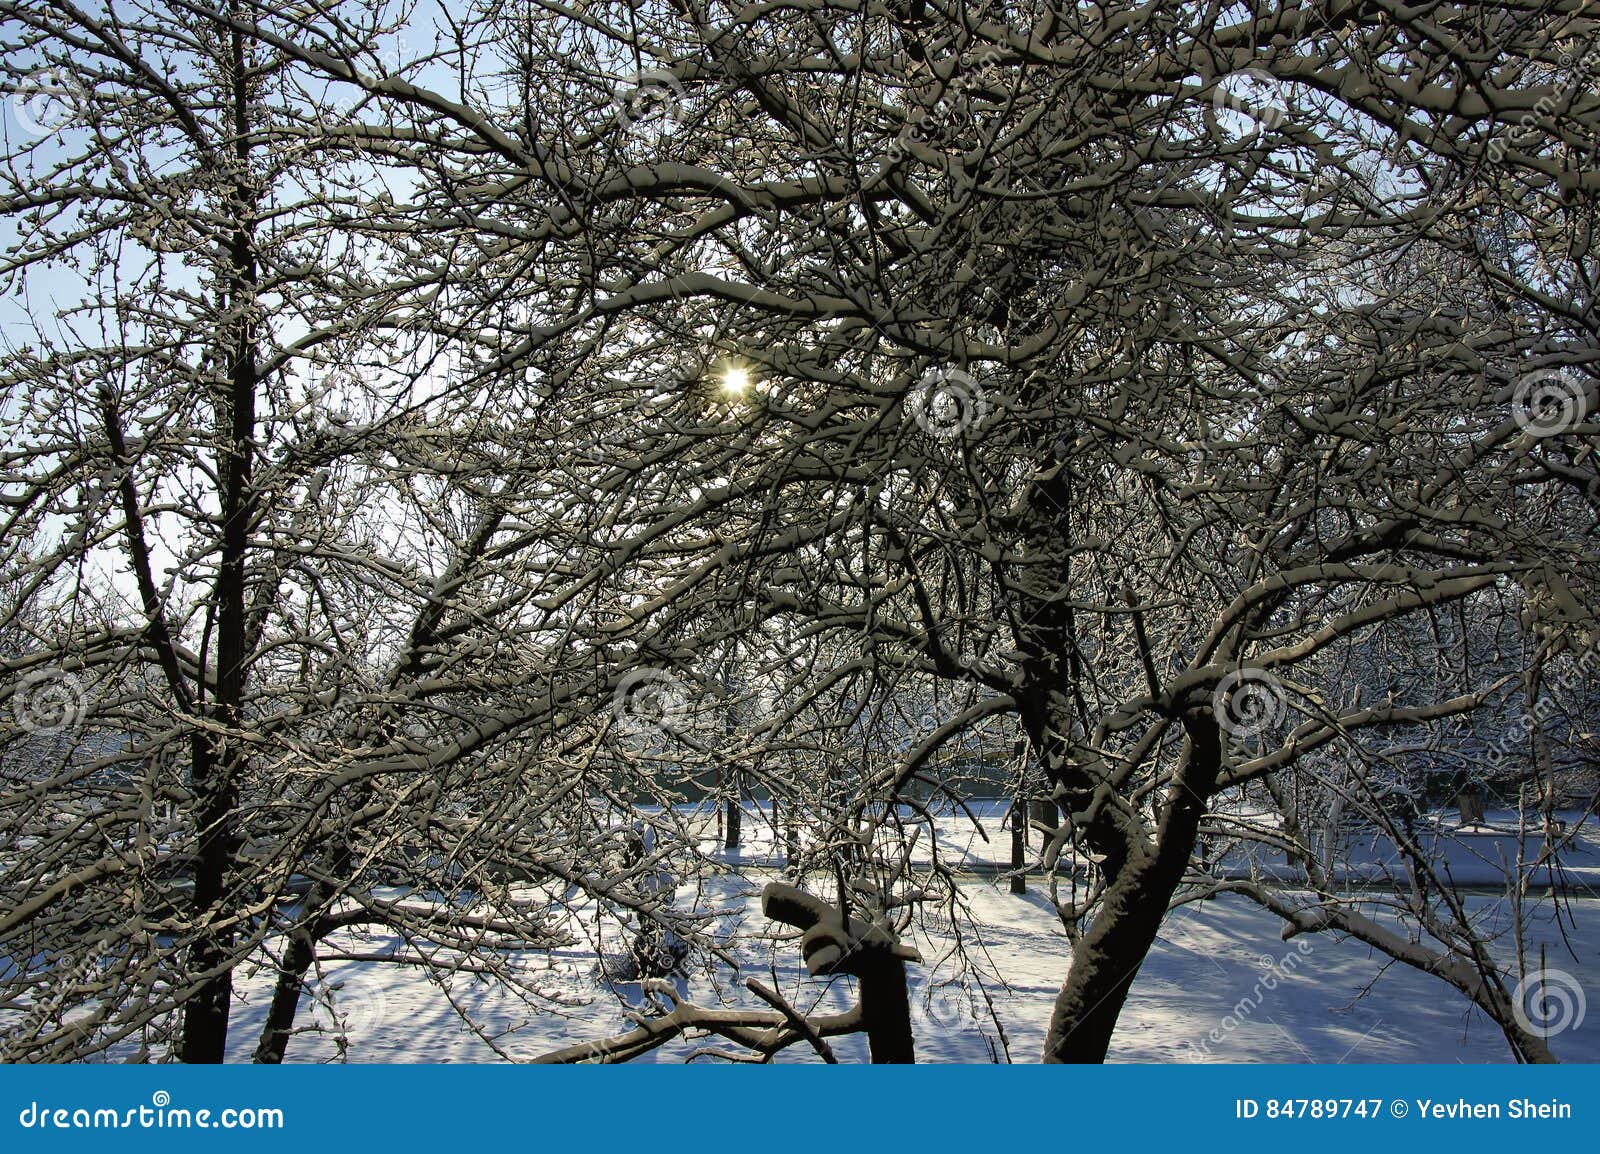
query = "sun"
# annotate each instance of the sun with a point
(735, 380)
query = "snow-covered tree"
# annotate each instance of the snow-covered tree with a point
(1094, 374)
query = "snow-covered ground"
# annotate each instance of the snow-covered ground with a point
(1220, 986)
(977, 837)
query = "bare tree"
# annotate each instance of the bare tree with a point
(1089, 374)
(1094, 395)
(279, 636)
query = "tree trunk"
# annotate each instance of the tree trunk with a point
(1104, 965)
(1108, 956)
(886, 1012)
(735, 823)
(716, 795)
(1048, 813)
(218, 762)
(205, 1012)
(297, 960)
(1019, 844)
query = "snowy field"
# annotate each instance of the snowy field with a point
(1221, 985)
(978, 838)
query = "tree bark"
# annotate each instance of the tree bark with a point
(218, 762)
(886, 1012)
(1045, 812)
(1019, 844)
(297, 960)
(1106, 960)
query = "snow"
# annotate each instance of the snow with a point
(976, 838)
(1220, 985)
